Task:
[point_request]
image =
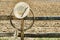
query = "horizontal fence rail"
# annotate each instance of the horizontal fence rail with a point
(45, 35)
(6, 34)
(30, 18)
(50, 35)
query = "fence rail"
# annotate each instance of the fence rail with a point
(45, 35)
(4, 17)
(31, 35)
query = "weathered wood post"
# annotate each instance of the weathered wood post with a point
(22, 29)
(21, 10)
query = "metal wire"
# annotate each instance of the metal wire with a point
(20, 29)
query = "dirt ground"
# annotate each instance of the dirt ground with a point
(40, 8)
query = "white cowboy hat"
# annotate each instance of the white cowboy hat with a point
(21, 10)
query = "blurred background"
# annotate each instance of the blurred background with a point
(40, 8)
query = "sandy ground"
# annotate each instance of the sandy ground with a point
(40, 8)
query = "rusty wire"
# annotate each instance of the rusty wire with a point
(20, 29)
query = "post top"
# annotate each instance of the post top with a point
(21, 10)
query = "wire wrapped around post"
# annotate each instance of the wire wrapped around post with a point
(20, 29)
